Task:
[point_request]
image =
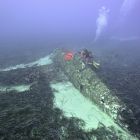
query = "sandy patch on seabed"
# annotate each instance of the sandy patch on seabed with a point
(74, 104)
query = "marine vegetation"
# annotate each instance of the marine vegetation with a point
(31, 115)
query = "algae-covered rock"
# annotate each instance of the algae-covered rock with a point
(91, 86)
(32, 114)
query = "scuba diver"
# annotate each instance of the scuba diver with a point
(87, 58)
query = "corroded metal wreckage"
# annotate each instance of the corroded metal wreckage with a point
(92, 87)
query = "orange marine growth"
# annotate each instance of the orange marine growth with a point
(68, 56)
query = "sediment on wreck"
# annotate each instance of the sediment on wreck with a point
(92, 87)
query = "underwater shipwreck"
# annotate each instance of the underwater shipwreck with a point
(52, 99)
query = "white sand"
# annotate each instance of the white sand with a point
(18, 88)
(74, 104)
(42, 61)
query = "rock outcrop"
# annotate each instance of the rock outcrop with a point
(93, 88)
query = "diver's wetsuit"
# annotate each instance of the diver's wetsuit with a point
(87, 59)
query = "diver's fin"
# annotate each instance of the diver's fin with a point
(96, 65)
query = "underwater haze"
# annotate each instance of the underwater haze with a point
(49, 90)
(68, 21)
(38, 25)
